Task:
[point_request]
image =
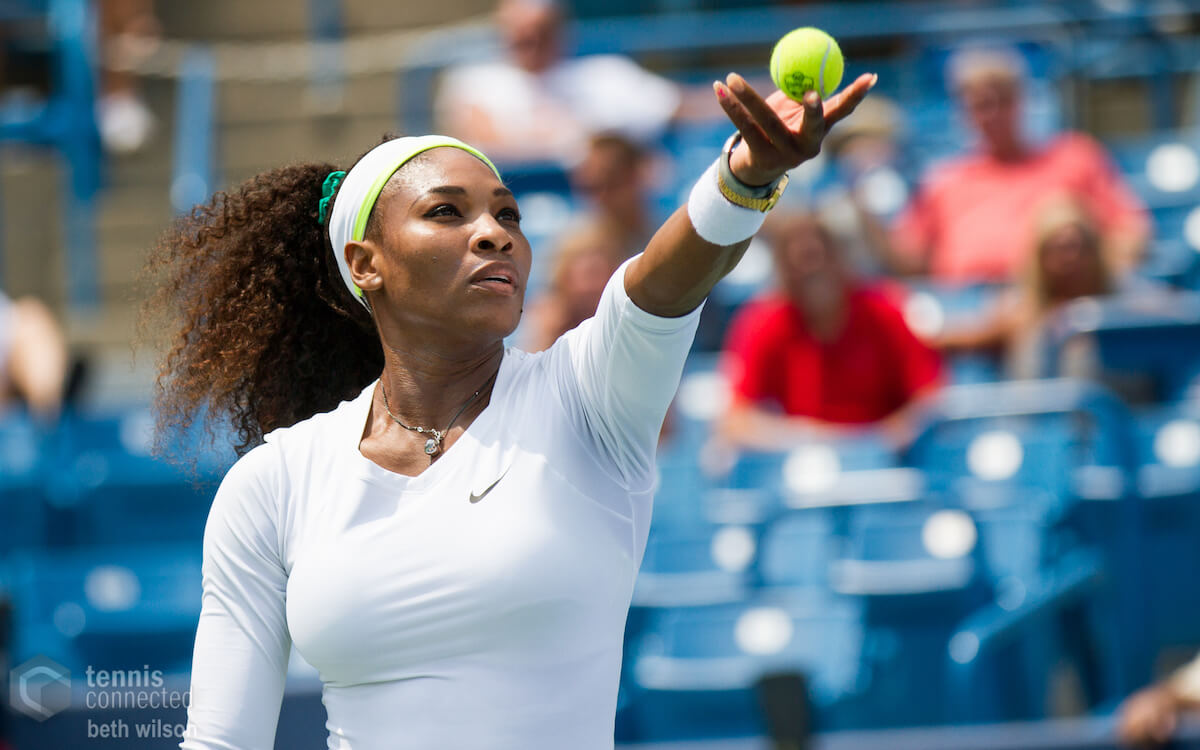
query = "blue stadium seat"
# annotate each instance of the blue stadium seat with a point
(1171, 256)
(930, 308)
(681, 487)
(65, 120)
(693, 670)
(1016, 542)
(118, 493)
(1132, 155)
(796, 551)
(1163, 168)
(1169, 485)
(1026, 434)
(831, 474)
(1133, 49)
(914, 570)
(1004, 656)
(695, 565)
(106, 607)
(1063, 450)
(701, 399)
(22, 472)
(1019, 551)
(903, 551)
(1146, 346)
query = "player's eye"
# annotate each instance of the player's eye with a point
(443, 209)
(509, 214)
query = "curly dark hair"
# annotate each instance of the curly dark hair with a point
(266, 332)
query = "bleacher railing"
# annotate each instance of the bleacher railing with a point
(66, 122)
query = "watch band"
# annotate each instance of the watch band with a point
(758, 198)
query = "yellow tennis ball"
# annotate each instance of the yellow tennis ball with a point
(807, 59)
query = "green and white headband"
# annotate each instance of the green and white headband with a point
(363, 183)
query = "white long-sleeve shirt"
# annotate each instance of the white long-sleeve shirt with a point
(480, 604)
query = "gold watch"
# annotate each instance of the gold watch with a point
(761, 198)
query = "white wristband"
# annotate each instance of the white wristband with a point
(717, 220)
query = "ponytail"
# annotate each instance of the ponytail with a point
(266, 333)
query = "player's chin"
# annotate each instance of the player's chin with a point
(501, 312)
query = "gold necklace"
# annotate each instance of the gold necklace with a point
(434, 444)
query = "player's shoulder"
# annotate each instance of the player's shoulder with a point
(256, 466)
(308, 435)
(520, 366)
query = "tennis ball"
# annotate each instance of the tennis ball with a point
(807, 59)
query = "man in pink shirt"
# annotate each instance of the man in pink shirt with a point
(971, 219)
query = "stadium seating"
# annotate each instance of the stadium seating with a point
(692, 565)
(105, 607)
(1169, 485)
(695, 668)
(1064, 449)
(1031, 528)
(116, 492)
(22, 463)
(796, 551)
(65, 121)
(1142, 345)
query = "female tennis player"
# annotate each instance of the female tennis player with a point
(448, 530)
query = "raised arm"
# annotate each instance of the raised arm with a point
(618, 371)
(680, 267)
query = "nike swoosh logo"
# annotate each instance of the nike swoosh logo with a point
(476, 498)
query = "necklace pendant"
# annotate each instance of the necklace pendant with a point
(431, 447)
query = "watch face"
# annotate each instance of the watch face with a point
(777, 193)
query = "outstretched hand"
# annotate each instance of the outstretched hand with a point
(779, 133)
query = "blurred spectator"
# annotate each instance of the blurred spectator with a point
(129, 31)
(1066, 262)
(33, 356)
(536, 104)
(612, 181)
(583, 265)
(1148, 717)
(867, 187)
(824, 355)
(970, 219)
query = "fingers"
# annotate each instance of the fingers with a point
(767, 119)
(778, 132)
(843, 103)
(813, 125)
(737, 112)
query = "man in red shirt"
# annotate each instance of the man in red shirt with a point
(971, 219)
(824, 354)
